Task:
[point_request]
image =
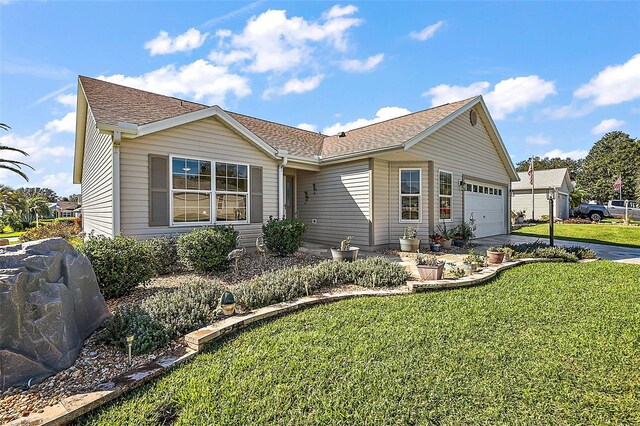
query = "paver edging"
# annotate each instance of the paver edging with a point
(75, 406)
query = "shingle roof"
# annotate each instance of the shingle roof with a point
(551, 178)
(112, 103)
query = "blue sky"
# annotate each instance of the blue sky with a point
(556, 75)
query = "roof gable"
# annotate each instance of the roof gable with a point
(550, 178)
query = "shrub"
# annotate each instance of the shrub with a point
(576, 220)
(188, 308)
(66, 230)
(164, 254)
(541, 250)
(12, 221)
(205, 250)
(291, 283)
(120, 263)
(581, 252)
(283, 236)
(133, 321)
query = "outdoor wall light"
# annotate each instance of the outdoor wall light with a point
(227, 303)
(129, 344)
(462, 185)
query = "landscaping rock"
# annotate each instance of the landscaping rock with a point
(49, 304)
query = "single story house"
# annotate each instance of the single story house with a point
(555, 179)
(154, 165)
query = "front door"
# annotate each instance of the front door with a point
(289, 197)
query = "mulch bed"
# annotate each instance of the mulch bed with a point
(98, 363)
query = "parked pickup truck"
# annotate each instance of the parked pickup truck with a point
(616, 208)
(595, 212)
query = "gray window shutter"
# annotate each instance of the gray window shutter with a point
(256, 194)
(158, 190)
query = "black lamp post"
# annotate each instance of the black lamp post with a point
(551, 195)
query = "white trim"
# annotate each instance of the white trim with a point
(400, 195)
(450, 197)
(115, 169)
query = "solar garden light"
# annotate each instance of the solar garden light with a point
(227, 303)
(129, 343)
(551, 195)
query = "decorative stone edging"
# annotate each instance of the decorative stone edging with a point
(75, 406)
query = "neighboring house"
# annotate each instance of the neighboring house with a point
(67, 209)
(556, 179)
(155, 165)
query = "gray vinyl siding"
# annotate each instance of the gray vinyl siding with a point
(207, 139)
(340, 203)
(522, 200)
(97, 181)
(458, 148)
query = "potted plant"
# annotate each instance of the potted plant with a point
(471, 262)
(410, 241)
(518, 216)
(436, 242)
(462, 234)
(429, 267)
(508, 252)
(447, 236)
(495, 255)
(345, 253)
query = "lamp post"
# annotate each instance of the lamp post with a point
(551, 195)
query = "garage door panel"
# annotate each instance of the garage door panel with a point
(485, 204)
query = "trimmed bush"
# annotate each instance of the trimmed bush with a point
(581, 252)
(164, 254)
(133, 321)
(120, 263)
(576, 220)
(205, 250)
(291, 283)
(542, 251)
(191, 306)
(66, 230)
(283, 236)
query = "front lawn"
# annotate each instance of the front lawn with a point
(542, 344)
(11, 234)
(617, 235)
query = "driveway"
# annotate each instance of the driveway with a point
(615, 253)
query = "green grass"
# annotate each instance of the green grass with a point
(616, 235)
(542, 344)
(11, 234)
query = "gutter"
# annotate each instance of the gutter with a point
(115, 181)
(283, 163)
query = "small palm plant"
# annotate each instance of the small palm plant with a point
(13, 165)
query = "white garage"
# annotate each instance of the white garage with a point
(484, 206)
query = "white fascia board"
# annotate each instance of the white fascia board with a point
(81, 124)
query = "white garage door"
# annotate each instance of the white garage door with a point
(484, 203)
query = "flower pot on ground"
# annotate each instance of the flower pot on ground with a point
(447, 235)
(458, 242)
(508, 252)
(435, 247)
(495, 255)
(345, 253)
(410, 241)
(436, 242)
(429, 267)
(446, 244)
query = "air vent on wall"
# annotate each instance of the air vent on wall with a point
(473, 117)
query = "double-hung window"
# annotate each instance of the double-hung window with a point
(446, 195)
(197, 184)
(410, 195)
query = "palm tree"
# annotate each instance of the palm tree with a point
(8, 199)
(13, 165)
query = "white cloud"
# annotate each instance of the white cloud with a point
(36, 145)
(272, 42)
(537, 140)
(356, 65)
(385, 113)
(296, 85)
(163, 44)
(68, 100)
(607, 125)
(427, 32)
(576, 154)
(613, 85)
(308, 126)
(65, 124)
(199, 80)
(61, 182)
(507, 96)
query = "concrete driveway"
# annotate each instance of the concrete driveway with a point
(607, 252)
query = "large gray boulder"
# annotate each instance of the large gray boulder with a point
(49, 304)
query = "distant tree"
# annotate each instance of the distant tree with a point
(615, 155)
(46, 193)
(74, 198)
(12, 165)
(547, 163)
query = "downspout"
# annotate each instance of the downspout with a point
(281, 183)
(117, 137)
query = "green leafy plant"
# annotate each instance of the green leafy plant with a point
(409, 233)
(456, 273)
(283, 236)
(428, 260)
(191, 306)
(66, 230)
(133, 321)
(164, 254)
(346, 243)
(446, 233)
(581, 252)
(120, 263)
(463, 231)
(205, 250)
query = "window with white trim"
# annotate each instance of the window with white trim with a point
(446, 195)
(232, 192)
(410, 195)
(195, 186)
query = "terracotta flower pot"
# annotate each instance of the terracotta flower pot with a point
(495, 257)
(429, 273)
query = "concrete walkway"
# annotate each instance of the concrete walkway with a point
(607, 252)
